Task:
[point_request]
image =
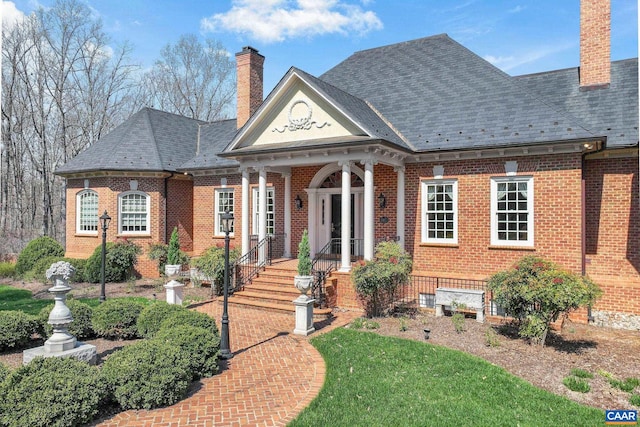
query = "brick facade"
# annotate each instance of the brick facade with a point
(80, 245)
(613, 232)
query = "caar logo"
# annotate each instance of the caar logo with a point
(620, 417)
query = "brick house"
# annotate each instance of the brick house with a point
(423, 141)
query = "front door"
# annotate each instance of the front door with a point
(336, 219)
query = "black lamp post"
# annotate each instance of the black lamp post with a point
(226, 219)
(104, 223)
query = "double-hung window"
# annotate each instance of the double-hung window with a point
(440, 211)
(512, 211)
(223, 203)
(271, 216)
(87, 212)
(134, 208)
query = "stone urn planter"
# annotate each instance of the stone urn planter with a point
(172, 269)
(303, 284)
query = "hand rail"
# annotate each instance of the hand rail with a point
(245, 268)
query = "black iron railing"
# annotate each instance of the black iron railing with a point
(262, 253)
(324, 262)
(420, 292)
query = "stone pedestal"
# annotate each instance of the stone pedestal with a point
(304, 315)
(81, 351)
(174, 292)
(61, 343)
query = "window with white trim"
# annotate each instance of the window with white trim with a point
(512, 211)
(133, 213)
(440, 211)
(271, 216)
(87, 212)
(223, 203)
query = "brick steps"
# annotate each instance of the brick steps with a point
(273, 289)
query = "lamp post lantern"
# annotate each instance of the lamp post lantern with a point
(105, 219)
(226, 219)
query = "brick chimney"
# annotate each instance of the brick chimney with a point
(249, 72)
(595, 44)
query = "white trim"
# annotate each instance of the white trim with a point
(255, 209)
(368, 211)
(424, 211)
(216, 209)
(79, 196)
(147, 212)
(246, 238)
(495, 241)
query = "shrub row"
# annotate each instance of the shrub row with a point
(40, 253)
(16, 328)
(155, 372)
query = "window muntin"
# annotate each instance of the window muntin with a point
(134, 213)
(512, 211)
(440, 211)
(271, 216)
(87, 212)
(223, 203)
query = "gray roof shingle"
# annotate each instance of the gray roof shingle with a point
(441, 96)
(149, 141)
(610, 112)
(430, 94)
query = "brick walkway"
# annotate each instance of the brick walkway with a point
(273, 375)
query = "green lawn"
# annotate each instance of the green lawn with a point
(374, 380)
(21, 299)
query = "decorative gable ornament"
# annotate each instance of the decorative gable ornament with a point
(438, 171)
(300, 118)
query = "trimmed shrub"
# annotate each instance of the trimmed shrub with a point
(16, 329)
(36, 250)
(153, 315)
(536, 292)
(7, 269)
(201, 347)
(80, 328)
(51, 392)
(4, 372)
(147, 374)
(38, 272)
(375, 281)
(191, 318)
(211, 264)
(116, 319)
(120, 259)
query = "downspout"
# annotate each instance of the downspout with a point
(583, 203)
(166, 205)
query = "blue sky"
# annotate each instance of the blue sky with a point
(520, 37)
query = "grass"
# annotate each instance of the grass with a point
(385, 381)
(21, 299)
(576, 384)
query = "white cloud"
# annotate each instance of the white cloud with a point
(10, 14)
(507, 63)
(276, 20)
(516, 9)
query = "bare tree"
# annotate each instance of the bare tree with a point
(192, 79)
(63, 87)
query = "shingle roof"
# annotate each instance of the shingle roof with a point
(610, 112)
(441, 96)
(149, 141)
(429, 94)
(214, 137)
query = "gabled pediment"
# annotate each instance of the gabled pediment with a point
(296, 111)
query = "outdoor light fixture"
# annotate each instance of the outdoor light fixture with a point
(382, 201)
(226, 219)
(105, 219)
(298, 201)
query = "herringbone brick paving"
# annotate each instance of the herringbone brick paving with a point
(273, 375)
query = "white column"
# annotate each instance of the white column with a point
(246, 237)
(346, 216)
(400, 211)
(287, 214)
(262, 210)
(369, 221)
